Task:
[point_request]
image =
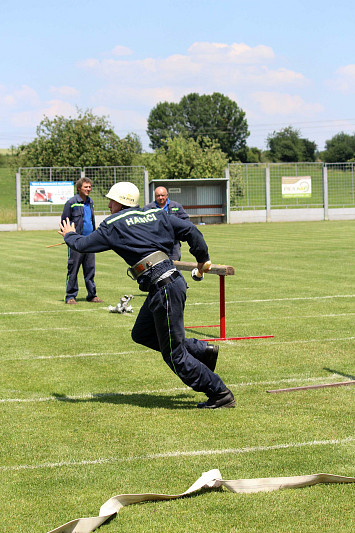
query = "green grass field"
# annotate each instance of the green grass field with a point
(8, 196)
(86, 414)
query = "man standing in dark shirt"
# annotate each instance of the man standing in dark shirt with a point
(80, 210)
(171, 207)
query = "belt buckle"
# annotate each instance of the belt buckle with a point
(136, 270)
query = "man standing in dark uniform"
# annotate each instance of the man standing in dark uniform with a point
(80, 210)
(163, 201)
(144, 239)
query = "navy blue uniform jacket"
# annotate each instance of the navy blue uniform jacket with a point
(176, 209)
(74, 210)
(134, 233)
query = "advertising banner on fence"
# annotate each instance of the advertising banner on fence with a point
(296, 187)
(51, 192)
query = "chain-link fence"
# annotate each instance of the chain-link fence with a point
(102, 179)
(247, 186)
(252, 186)
(41, 175)
(341, 186)
(258, 192)
(283, 174)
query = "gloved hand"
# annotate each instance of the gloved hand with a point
(197, 274)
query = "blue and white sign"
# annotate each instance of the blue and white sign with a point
(51, 192)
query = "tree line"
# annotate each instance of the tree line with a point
(194, 138)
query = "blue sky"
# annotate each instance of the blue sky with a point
(284, 63)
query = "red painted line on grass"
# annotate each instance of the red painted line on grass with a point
(240, 338)
(212, 326)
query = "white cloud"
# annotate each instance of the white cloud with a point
(25, 95)
(275, 78)
(121, 51)
(25, 119)
(59, 107)
(176, 66)
(32, 118)
(23, 106)
(212, 66)
(344, 80)
(134, 86)
(64, 91)
(125, 119)
(236, 53)
(90, 63)
(136, 97)
(6, 99)
(126, 89)
(275, 103)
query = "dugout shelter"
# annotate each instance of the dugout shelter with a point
(205, 200)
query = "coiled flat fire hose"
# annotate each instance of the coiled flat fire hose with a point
(210, 479)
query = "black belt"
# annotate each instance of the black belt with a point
(167, 280)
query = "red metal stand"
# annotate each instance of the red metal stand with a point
(222, 317)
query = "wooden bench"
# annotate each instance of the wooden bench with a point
(199, 217)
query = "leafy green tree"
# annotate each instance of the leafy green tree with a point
(286, 145)
(339, 149)
(199, 116)
(309, 150)
(185, 158)
(251, 155)
(2, 158)
(163, 124)
(236, 183)
(87, 140)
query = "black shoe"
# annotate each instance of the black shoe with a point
(210, 356)
(221, 399)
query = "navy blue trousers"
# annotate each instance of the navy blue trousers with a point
(160, 326)
(87, 261)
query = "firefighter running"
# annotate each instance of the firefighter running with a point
(144, 239)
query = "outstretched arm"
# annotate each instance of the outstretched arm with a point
(95, 242)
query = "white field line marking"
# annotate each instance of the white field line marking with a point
(230, 343)
(287, 380)
(302, 317)
(194, 303)
(300, 341)
(91, 396)
(35, 329)
(192, 453)
(70, 356)
(257, 342)
(53, 311)
(49, 329)
(161, 391)
(294, 317)
(277, 299)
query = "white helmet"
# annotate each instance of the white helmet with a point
(124, 193)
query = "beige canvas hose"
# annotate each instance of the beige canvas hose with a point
(210, 479)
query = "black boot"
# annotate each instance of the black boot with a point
(210, 356)
(221, 399)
